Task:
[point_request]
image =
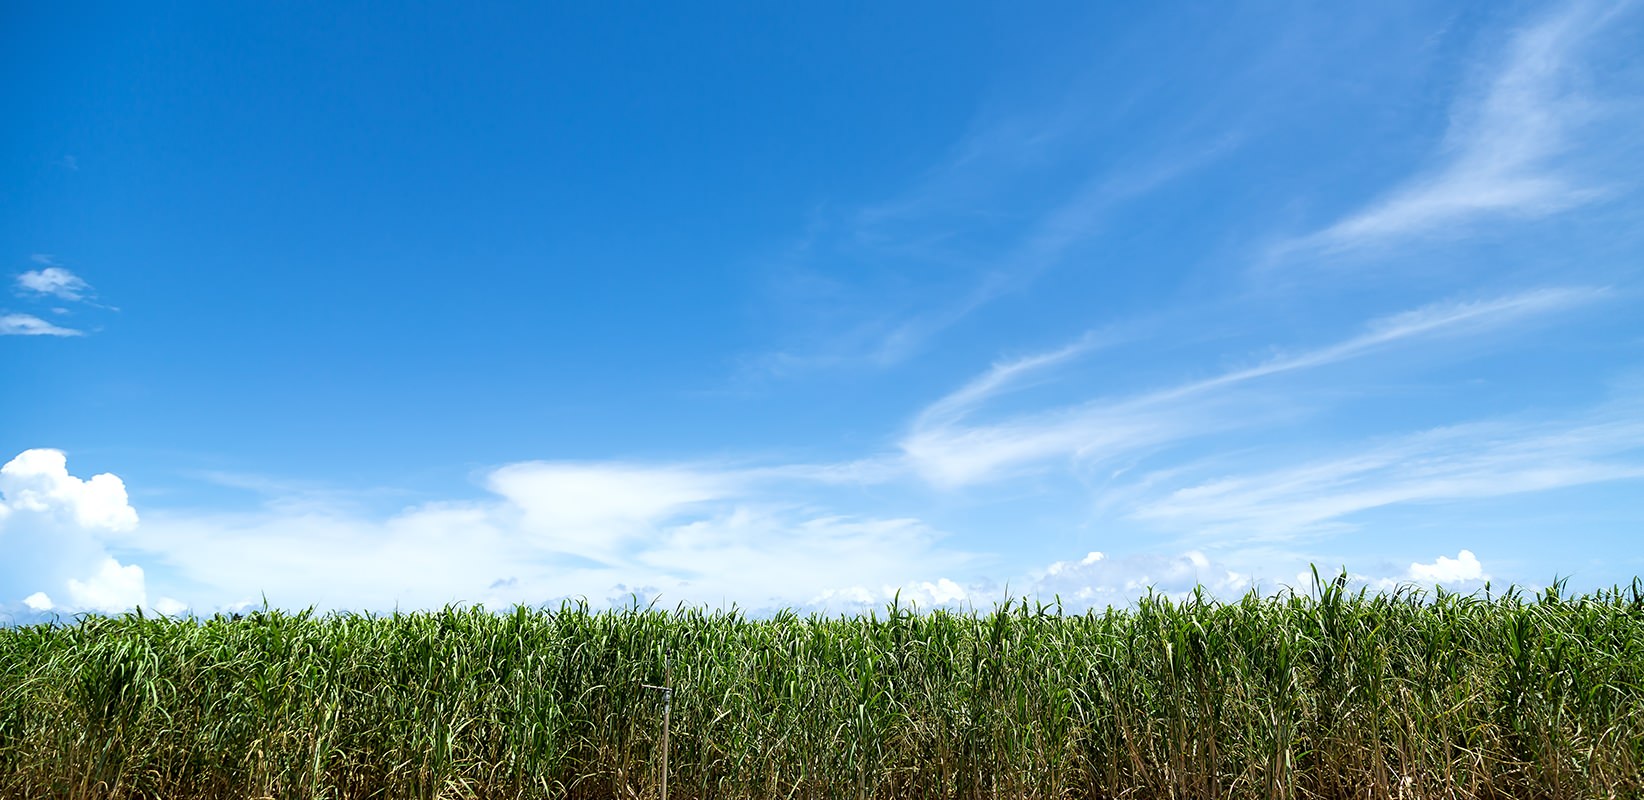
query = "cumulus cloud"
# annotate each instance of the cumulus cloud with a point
(112, 589)
(1462, 573)
(38, 480)
(30, 325)
(53, 527)
(1464, 568)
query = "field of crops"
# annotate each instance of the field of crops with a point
(1323, 694)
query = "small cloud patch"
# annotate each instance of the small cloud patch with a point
(53, 281)
(30, 325)
(1464, 568)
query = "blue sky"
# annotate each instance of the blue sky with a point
(808, 306)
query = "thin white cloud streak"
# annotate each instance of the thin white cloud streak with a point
(1455, 317)
(878, 469)
(987, 164)
(1002, 376)
(1473, 461)
(30, 325)
(1504, 143)
(949, 453)
(1082, 215)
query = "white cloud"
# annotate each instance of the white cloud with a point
(941, 593)
(1504, 143)
(699, 534)
(706, 538)
(53, 530)
(1464, 568)
(592, 509)
(170, 607)
(1099, 580)
(966, 233)
(30, 325)
(947, 452)
(772, 556)
(921, 595)
(1462, 462)
(1002, 376)
(38, 480)
(54, 281)
(112, 589)
(1462, 573)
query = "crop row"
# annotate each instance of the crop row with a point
(1326, 694)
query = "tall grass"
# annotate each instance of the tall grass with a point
(1327, 694)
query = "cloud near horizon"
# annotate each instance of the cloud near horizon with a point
(707, 540)
(53, 528)
(548, 531)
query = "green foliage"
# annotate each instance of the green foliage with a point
(1324, 695)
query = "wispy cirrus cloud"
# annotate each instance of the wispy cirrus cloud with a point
(764, 537)
(1003, 376)
(1470, 461)
(948, 451)
(1514, 141)
(966, 234)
